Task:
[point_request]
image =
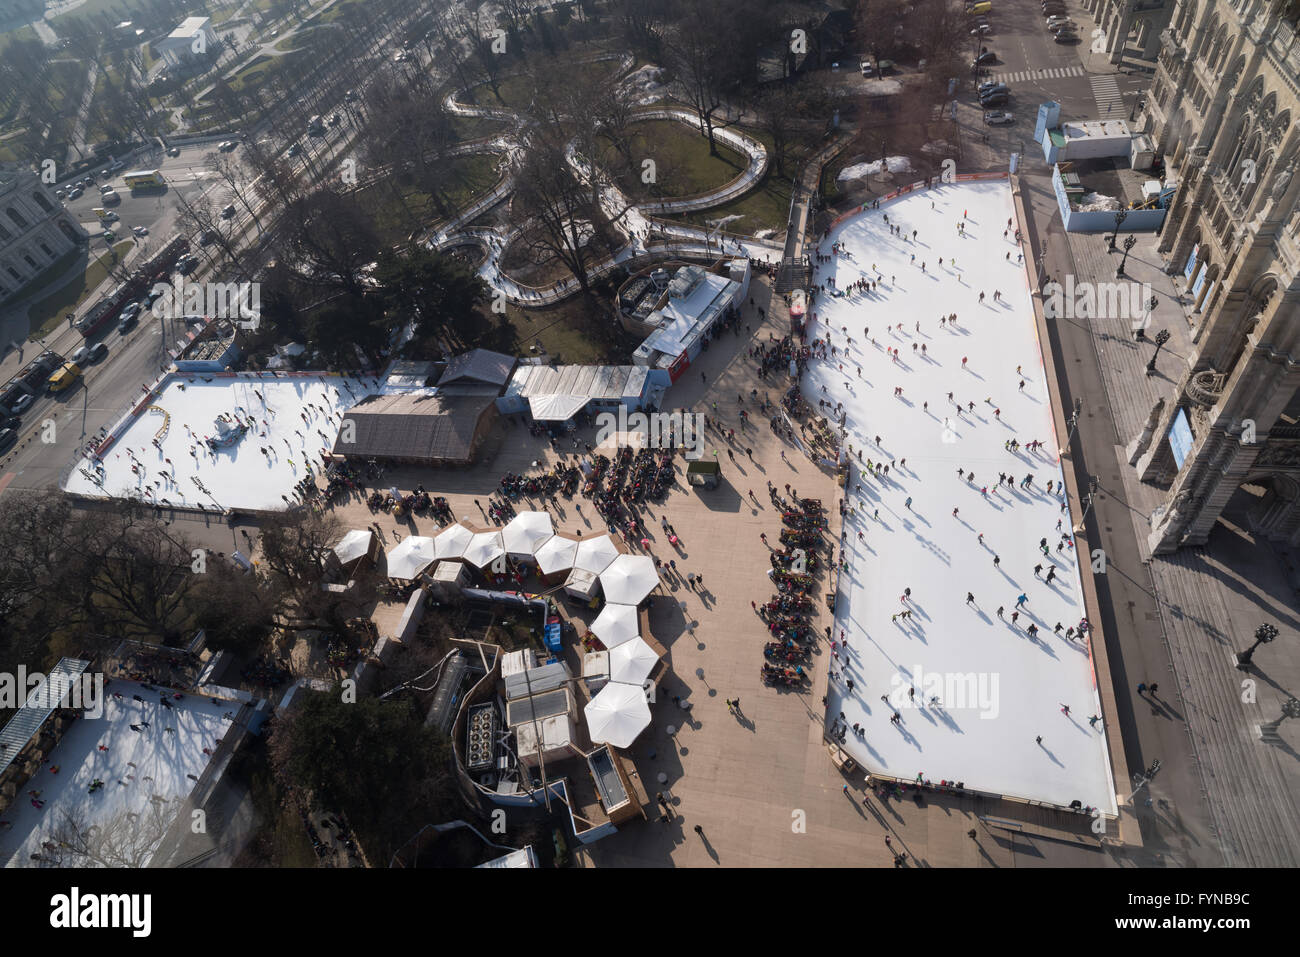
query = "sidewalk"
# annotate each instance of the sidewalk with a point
(1208, 600)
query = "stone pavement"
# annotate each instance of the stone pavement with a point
(1184, 616)
(762, 785)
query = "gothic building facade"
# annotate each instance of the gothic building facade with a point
(1223, 108)
(1132, 26)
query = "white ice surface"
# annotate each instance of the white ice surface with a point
(988, 741)
(240, 476)
(169, 759)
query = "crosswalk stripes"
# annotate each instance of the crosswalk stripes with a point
(1051, 73)
(1106, 92)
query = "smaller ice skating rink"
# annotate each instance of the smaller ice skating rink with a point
(146, 776)
(160, 449)
(998, 688)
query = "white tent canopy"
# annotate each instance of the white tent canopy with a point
(527, 532)
(615, 625)
(410, 557)
(355, 544)
(629, 579)
(484, 548)
(617, 714)
(452, 541)
(632, 662)
(595, 554)
(556, 554)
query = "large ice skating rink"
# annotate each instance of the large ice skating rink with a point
(146, 774)
(293, 432)
(998, 687)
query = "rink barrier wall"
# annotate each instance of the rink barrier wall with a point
(1129, 832)
(933, 788)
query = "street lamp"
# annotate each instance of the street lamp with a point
(1074, 424)
(1161, 338)
(1290, 709)
(1093, 485)
(1263, 635)
(1120, 216)
(1129, 242)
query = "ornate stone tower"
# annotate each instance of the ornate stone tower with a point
(1223, 105)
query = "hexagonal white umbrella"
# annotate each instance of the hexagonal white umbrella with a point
(595, 554)
(526, 532)
(632, 662)
(617, 714)
(615, 625)
(629, 579)
(452, 541)
(484, 548)
(556, 555)
(410, 557)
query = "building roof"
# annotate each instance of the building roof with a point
(189, 28)
(479, 366)
(557, 393)
(414, 425)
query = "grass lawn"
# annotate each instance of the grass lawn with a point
(49, 312)
(683, 164)
(570, 330)
(516, 92)
(477, 127)
(766, 206)
(472, 176)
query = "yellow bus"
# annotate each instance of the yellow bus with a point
(64, 377)
(144, 179)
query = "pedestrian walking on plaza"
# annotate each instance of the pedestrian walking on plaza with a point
(1039, 739)
(1142, 687)
(1015, 616)
(699, 830)
(908, 503)
(1092, 721)
(1022, 599)
(1051, 574)
(1001, 608)
(996, 561)
(970, 598)
(1154, 687)
(1038, 570)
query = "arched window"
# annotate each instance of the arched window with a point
(14, 272)
(30, 261)
(17, 218)
(42, 202)
(5, 234)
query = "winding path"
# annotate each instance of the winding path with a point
(633, 220)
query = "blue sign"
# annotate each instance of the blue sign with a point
(1180, 437)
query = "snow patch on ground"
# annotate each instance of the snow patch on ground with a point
(895, 164)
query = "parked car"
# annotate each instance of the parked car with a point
(140, 231)
(988, 56)
(111, 198)
(21, 404)
(75, 192)
(207, 237)
(8, 438)
(227, 146)
(130, 311)
(152, 296)
(173, 151)
(999, 118)
(228, 210)
(293, 151)
(60, 193)
(335, 119)
(97, 352)
(80, 357)
(867, 68)
(1066, 36)
(992, 86)
(994, 99)
(116, 166)
(127, 323)
(980, 29)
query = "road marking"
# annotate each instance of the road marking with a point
(1106, 92)
(6, 479)
(1041, 73)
